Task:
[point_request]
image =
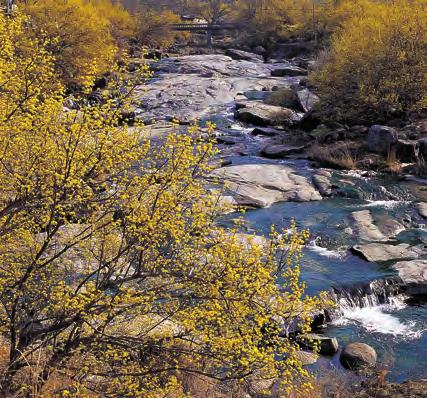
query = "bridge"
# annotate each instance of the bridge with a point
(202, 27)
(208, 29)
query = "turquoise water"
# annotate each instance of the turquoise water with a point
(398, 333)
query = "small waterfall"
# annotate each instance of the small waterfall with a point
(372, 294)
(373, 306)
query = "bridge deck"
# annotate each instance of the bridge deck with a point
(193, 27)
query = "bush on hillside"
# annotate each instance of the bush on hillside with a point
(377, 64)
(154, 28)
(78, 35)
(122, 24)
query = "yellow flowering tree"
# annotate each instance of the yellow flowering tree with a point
(115, 279)
(377, 64)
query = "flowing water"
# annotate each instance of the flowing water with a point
(372, 314)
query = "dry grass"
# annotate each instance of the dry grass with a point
(340, 157)
(393, 165)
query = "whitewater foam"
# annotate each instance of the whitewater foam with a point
(323, 251)
(378, 319)
(388, 204)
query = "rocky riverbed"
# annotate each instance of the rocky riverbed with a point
(365, 226)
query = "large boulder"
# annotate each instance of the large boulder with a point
(244, 55)
(264, 115)
(381, 252)
(356, 356)
(381, 138)
(261, 185)
(414, 275)
(325, 344)
(290, 70)
(307, 100)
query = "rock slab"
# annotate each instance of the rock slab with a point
(325, 344)
(381, 252)
(261, 185)
(290, 70)
(365, 228)
(414, 275)
(277, 151)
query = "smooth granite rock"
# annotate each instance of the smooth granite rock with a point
(261, 185)
(381, 252)
(414, 275)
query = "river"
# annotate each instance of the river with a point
(206, 87)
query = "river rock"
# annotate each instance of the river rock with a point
(266, 131)
(307, 358)
(365, 228)
(261, 185)
(422, 209)
(380, 252)
(381, 138)
(322, 181)
(278, 151)
(414, 275)
(357, 356)
(264, 115)
(407, 150)
(228, 139)
(408, 389)
(422, 144)
(307, 100)
(326, 345)
(243, 55)
(290, 70)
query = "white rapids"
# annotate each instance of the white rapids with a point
(380, 318)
